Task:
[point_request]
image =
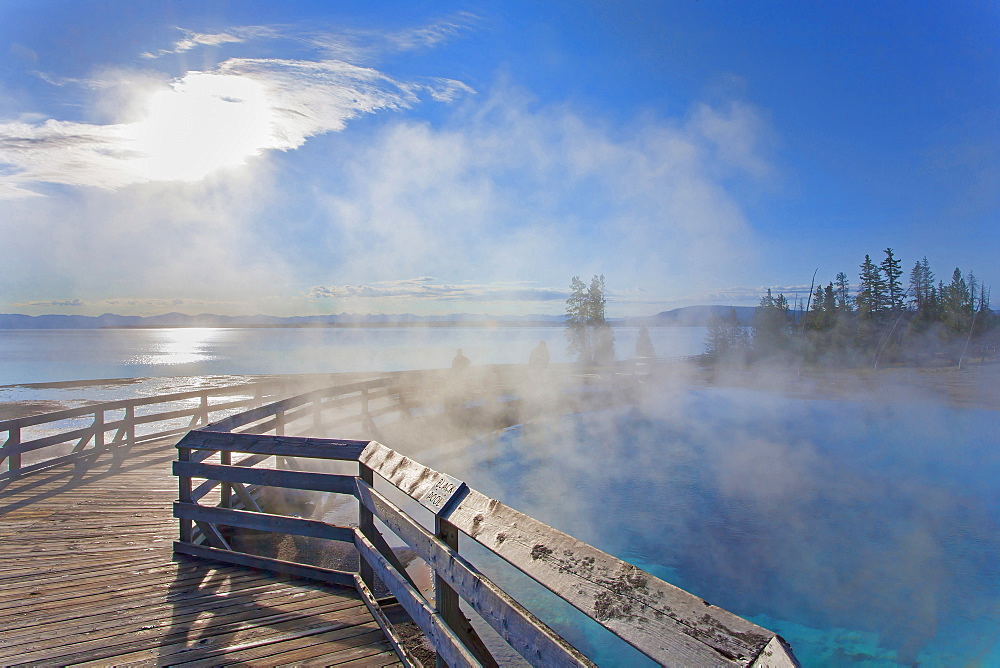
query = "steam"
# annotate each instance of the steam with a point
(866, 512)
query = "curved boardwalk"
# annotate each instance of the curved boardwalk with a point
(87, 576)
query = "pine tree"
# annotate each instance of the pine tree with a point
(893, 271)
(816, 319)
(602, 336)
(871, 298)
(576, 320)
(726, 339)
(957, 303)
(771, 325)
(829, 301)
(590, 336)
(923, 296)
(843, 293)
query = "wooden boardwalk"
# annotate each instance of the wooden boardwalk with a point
(87, 576)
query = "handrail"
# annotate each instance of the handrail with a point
(120, 423)
(667, 624)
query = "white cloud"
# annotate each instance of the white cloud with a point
(204, 121)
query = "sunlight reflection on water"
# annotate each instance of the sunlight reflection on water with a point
(169, 347)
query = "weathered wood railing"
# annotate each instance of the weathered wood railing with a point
(58, 437)
(667, 624)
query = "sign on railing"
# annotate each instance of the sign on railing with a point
(441, 494)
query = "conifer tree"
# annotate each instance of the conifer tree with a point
(871, 298)
(590, 336)
(771, 325)
(843, 292)
(576, 320)
(726, 339)
(893, 271)
(957, 303)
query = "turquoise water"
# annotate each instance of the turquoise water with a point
(865, 533)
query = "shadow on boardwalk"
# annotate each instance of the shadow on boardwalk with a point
(89, 578)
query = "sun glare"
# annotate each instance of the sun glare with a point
(179, 346)
(202, 124)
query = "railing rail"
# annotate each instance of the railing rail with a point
(669, 625)
(58, 437)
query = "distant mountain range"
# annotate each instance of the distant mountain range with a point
(690, 316)
(693, 316)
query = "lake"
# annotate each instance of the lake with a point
(39, 356)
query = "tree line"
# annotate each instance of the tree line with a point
(881, 322)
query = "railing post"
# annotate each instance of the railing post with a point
(226, 490)
(317, 410)
(204, 408)
(99, 430)
(279, 423)
(184, 495)
(447, 600)
(13, 438)
(366, 523)
(130, 424)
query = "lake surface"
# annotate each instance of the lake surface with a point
(38, 356)
(865, 533)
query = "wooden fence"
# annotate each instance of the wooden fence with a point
(240, 456)
(76, 434)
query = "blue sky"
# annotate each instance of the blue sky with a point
(390, 157)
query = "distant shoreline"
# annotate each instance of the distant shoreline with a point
(374, 325)
(688, 316)
(346, 325)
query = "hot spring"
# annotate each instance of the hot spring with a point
(864, 532)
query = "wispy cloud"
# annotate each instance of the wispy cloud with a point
(52, 303)
(235, 35)
(744, 294)
(353, 45)
(206, 121)
(425, 289)
(370, 45)
(152, 304)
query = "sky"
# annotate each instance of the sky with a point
(305, 158)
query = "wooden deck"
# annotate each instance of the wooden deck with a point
(87, 576)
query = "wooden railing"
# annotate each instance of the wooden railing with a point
(669, 625)
(78, 434)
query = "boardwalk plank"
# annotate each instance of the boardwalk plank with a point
(89, 576)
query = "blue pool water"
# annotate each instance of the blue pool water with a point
(865, 533)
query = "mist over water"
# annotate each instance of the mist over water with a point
(864, 532)
(37, 356)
